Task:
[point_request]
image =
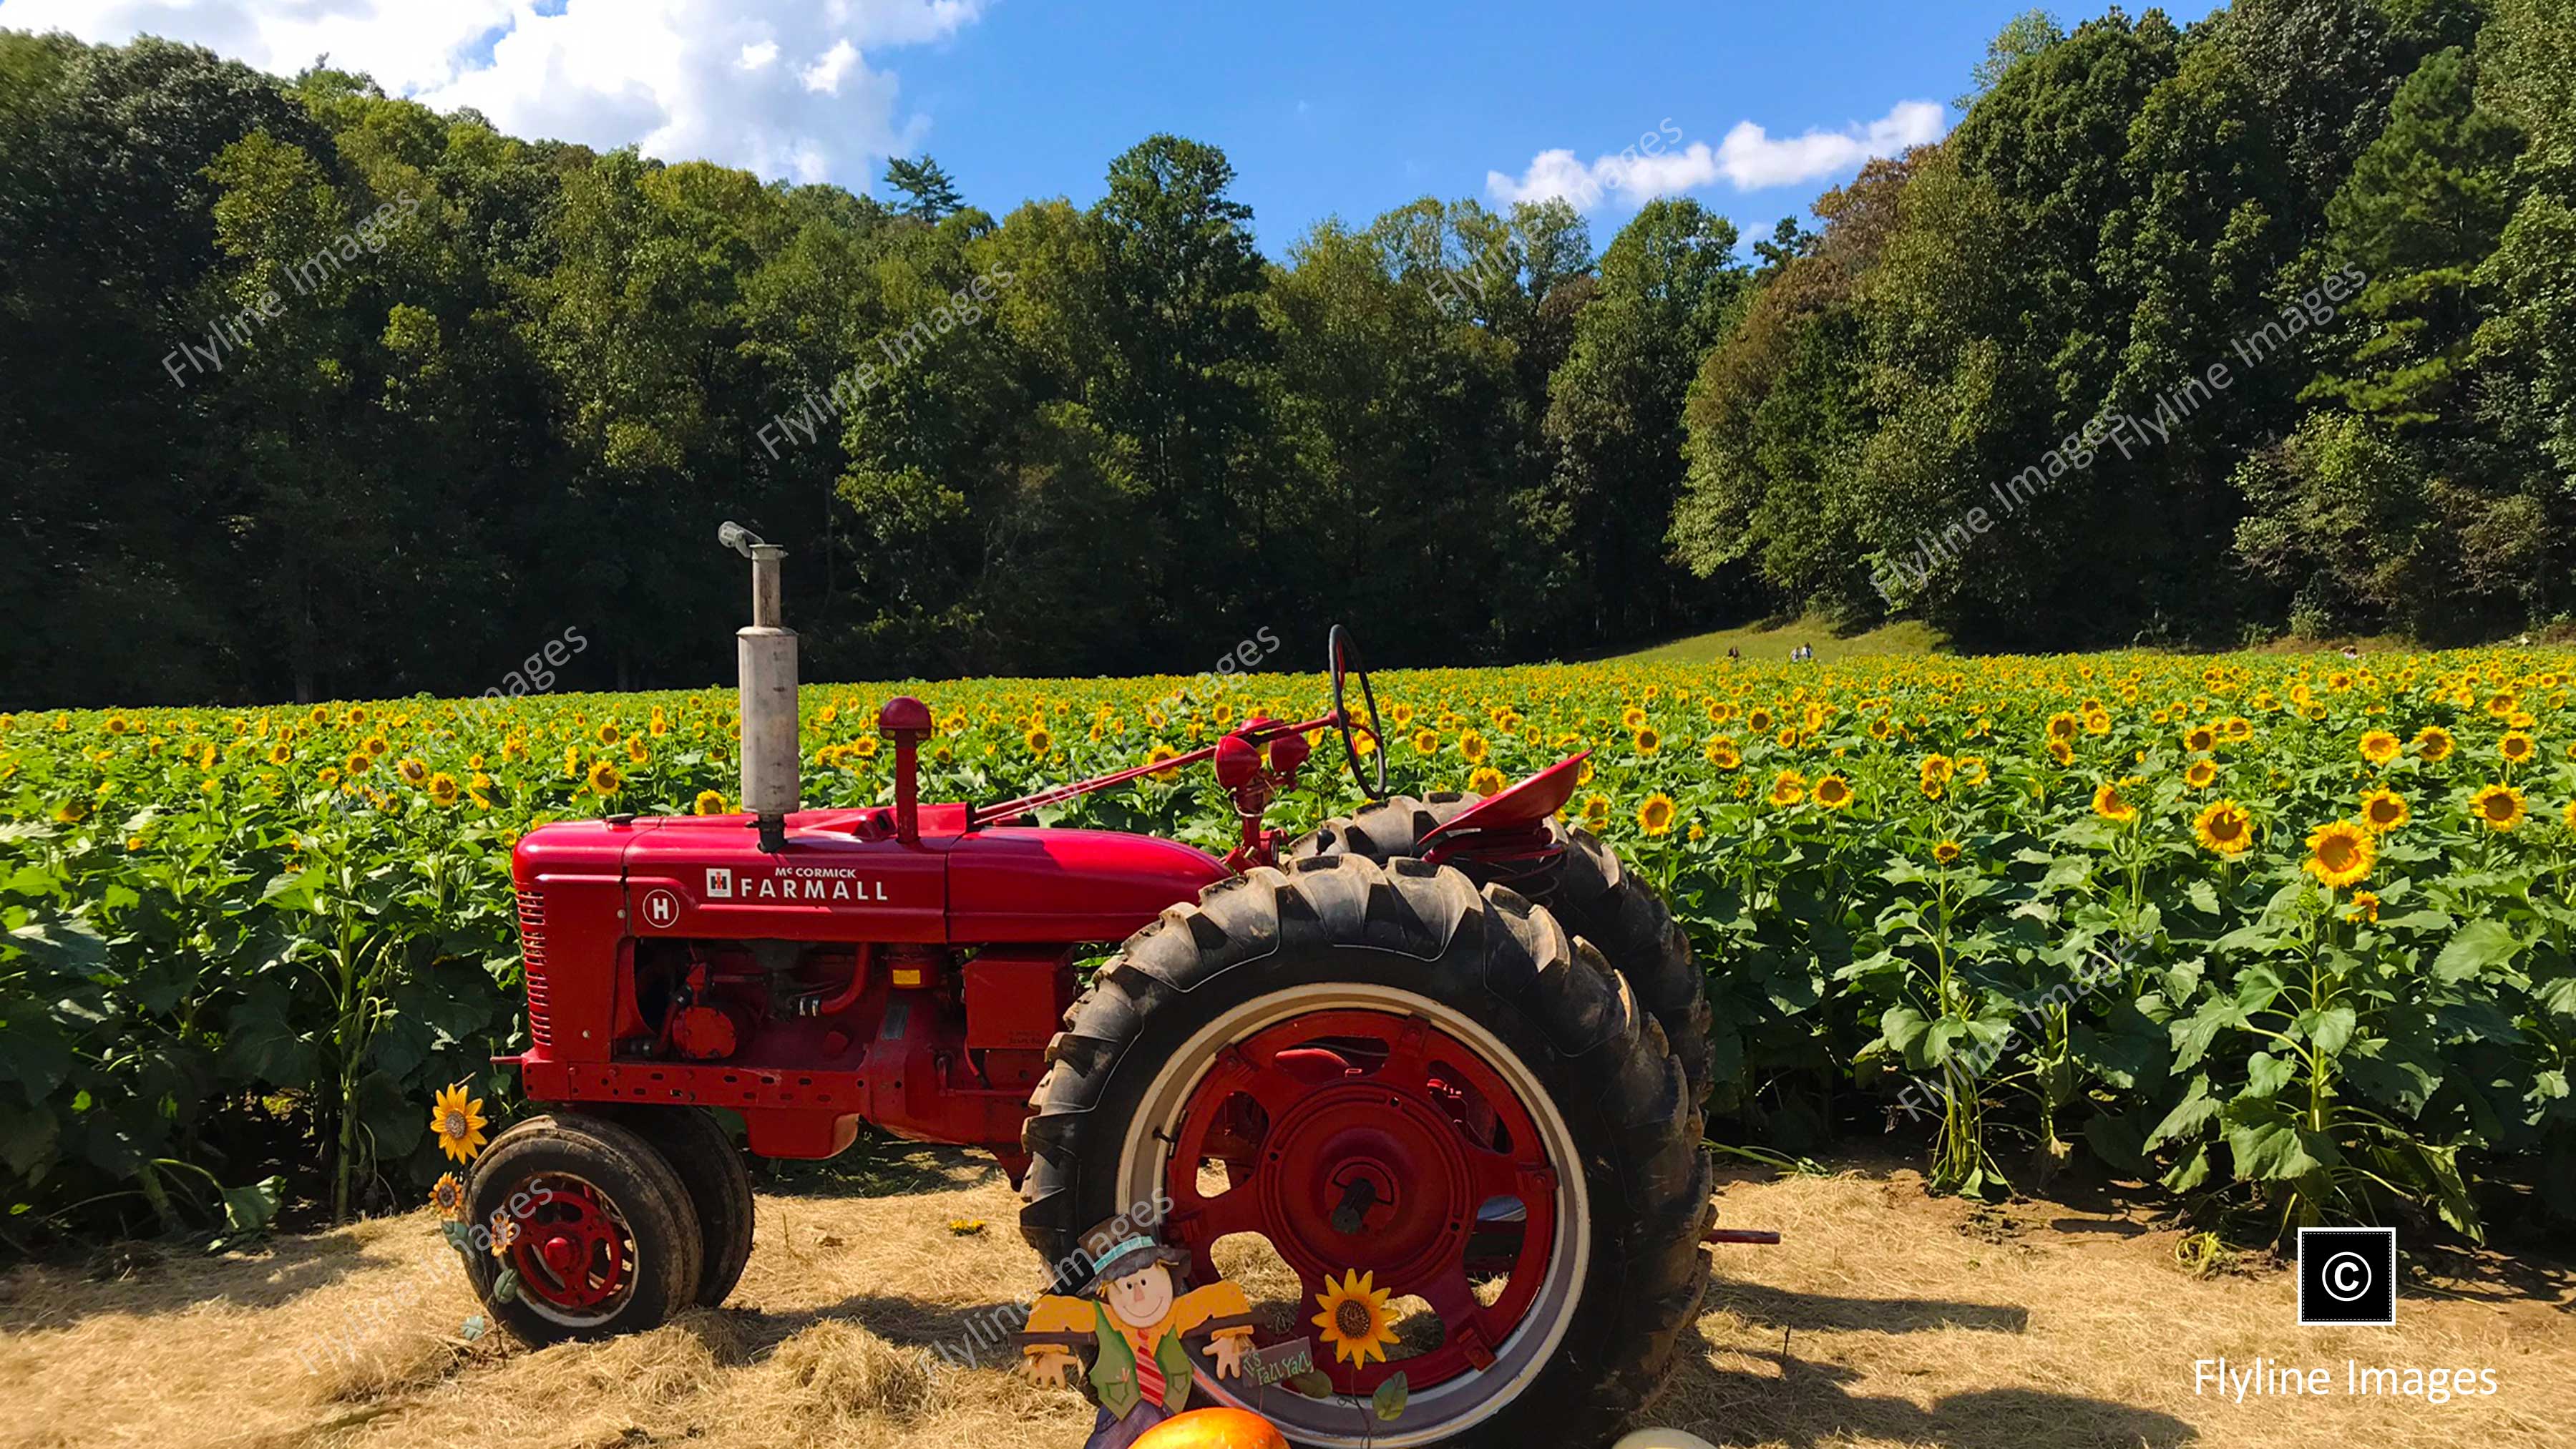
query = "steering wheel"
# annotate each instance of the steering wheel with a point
(1345, 662)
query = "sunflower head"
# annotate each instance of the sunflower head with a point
(2365, 907)
(2200, 739)
(1596, 813)
(2517, 747)
(709, 802)
(2498, 807)
(1354, 1319)
(442, 788)
(2340, 854)
(2434, 743)
(1648, 740)
(2110, 804)
(1946, 853)
(2379, 747)
(458, 1122)
(2384, 810)
(1486, 781)
(1722, 753)
(2200, 774)
(604, 779)
(1655, 816)
(1833, 792)
(2224, 828)
(448, 1196)
(1788, 788)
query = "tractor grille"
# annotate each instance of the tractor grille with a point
(532, 950)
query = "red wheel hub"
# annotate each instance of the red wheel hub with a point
(1358, 1139)
(573, 1251)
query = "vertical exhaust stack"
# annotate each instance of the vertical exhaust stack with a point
(767, 653)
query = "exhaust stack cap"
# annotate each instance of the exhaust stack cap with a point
(766, 652)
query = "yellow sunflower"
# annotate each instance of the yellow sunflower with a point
(1946, 853)
(1354, 1319)
(1655, 816)
(2200, 739)
(1972, 770)
(2062, 752)
(2384, 810)
(2434, 743)
(505, 1231)
(1788, 788)
(2516, 748)
(1486, 781)
(2379, 747)
(458, 1122)
(2200, 775)
(448, 1196)
(1472, 747)
(1833, 792)
(1648, 740)
(2224, 828)
(604, 779)
(709, 802)
(1936, 768)
(2498, 807)
(2365, 907)
(2110, 805)
(1722, 753)
(1596, 813)
(442, 788)
(2340, 854)
(2570, 816)
(1039, 740)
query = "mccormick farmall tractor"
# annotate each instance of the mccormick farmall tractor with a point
(1446, 1042)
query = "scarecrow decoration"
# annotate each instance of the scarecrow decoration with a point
(1147, 1337)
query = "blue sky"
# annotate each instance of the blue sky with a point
(1352, 109)
(1326, 108)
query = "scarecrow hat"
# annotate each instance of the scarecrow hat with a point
(1117, 1248)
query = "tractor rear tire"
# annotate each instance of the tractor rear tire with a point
(1590, 891)
(606, 1239)
(1212, 990)
(719, 1184)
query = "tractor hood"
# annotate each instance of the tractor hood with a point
(844, 876)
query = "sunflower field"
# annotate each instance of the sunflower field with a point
(2292, 936)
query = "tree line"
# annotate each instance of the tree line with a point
(317, 393)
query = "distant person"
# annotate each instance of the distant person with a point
(1733, 654)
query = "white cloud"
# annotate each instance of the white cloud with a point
(1747, 158)
(682, 79)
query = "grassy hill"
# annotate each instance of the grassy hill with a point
(1774, 638)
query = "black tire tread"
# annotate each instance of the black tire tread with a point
(719, 1187)
(1591, 891)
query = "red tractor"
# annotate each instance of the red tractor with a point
(1443, 1041)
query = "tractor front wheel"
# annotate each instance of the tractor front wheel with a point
(581, 1230)
(1382, 1070)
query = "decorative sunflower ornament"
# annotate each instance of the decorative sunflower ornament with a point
(448, 1196)
(458, 1121)
(1354, 1319)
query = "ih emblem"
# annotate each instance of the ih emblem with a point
(719, 883)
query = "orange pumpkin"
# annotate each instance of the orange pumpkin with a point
(1213, 1429)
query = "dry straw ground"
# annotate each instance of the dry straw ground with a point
(1887, 1318)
